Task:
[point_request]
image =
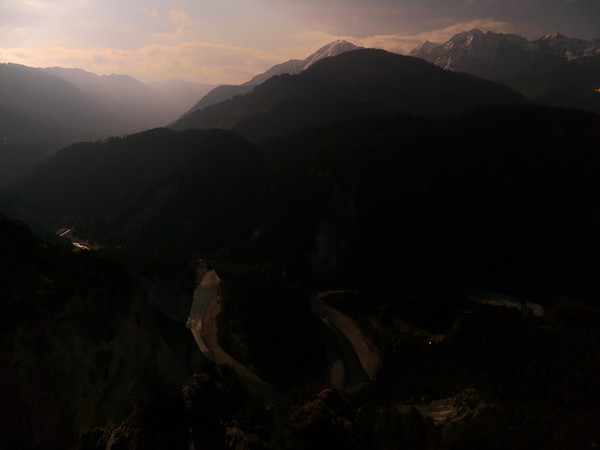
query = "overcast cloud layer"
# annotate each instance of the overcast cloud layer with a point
(229, 41)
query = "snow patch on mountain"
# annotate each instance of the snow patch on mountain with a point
(475, 43)
(569, 48)
(332, 49)
(292, 67)
(295, 66)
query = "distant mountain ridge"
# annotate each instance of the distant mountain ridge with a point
(137, 105)
(476, 43)
(293, 66)
(553, 69)
(36, 106)
(42, 110)
(58, 106)
(352, 84)
(569, 48)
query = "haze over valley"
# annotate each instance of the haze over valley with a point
(330, 225)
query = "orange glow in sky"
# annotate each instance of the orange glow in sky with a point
(216, 41)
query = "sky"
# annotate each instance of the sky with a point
(229, 41)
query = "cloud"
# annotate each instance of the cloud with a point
(193, 61)
(36, 5)
(152, 13)
(179, 50)
(44, 6)
(221, 63)
(404, 43)
(179, 17)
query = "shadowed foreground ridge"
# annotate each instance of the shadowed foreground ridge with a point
(397, 281)
(354, 84)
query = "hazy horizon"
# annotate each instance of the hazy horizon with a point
(218, 42)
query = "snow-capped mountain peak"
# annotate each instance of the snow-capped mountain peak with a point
(566, 47)
(426, 46)
(292, 67)
(332, 49)
(553, 69)
(295, 66)
(476, 42)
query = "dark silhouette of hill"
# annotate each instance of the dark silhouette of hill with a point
(501, 192)
(404, 212)
(16, 160)
(293, 66)
(65, 319)
(155, 186)
(509, 193)
(353, 84)
(42, 110)
(554, 69)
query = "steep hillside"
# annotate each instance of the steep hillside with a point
(352, 84)
(497, 194)
(481, 194)
(16, 160)
(84, 341)
(156, 186)
(465, 249)
(293, 66)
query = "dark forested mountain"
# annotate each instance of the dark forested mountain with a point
(554, 69)
(155, 186)
(18, 159)
(414, 262)
(39, 113)
(473, 193)
(418, 223)
(352, 84)
(293, 66)
(509, 192)
(42, 110)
